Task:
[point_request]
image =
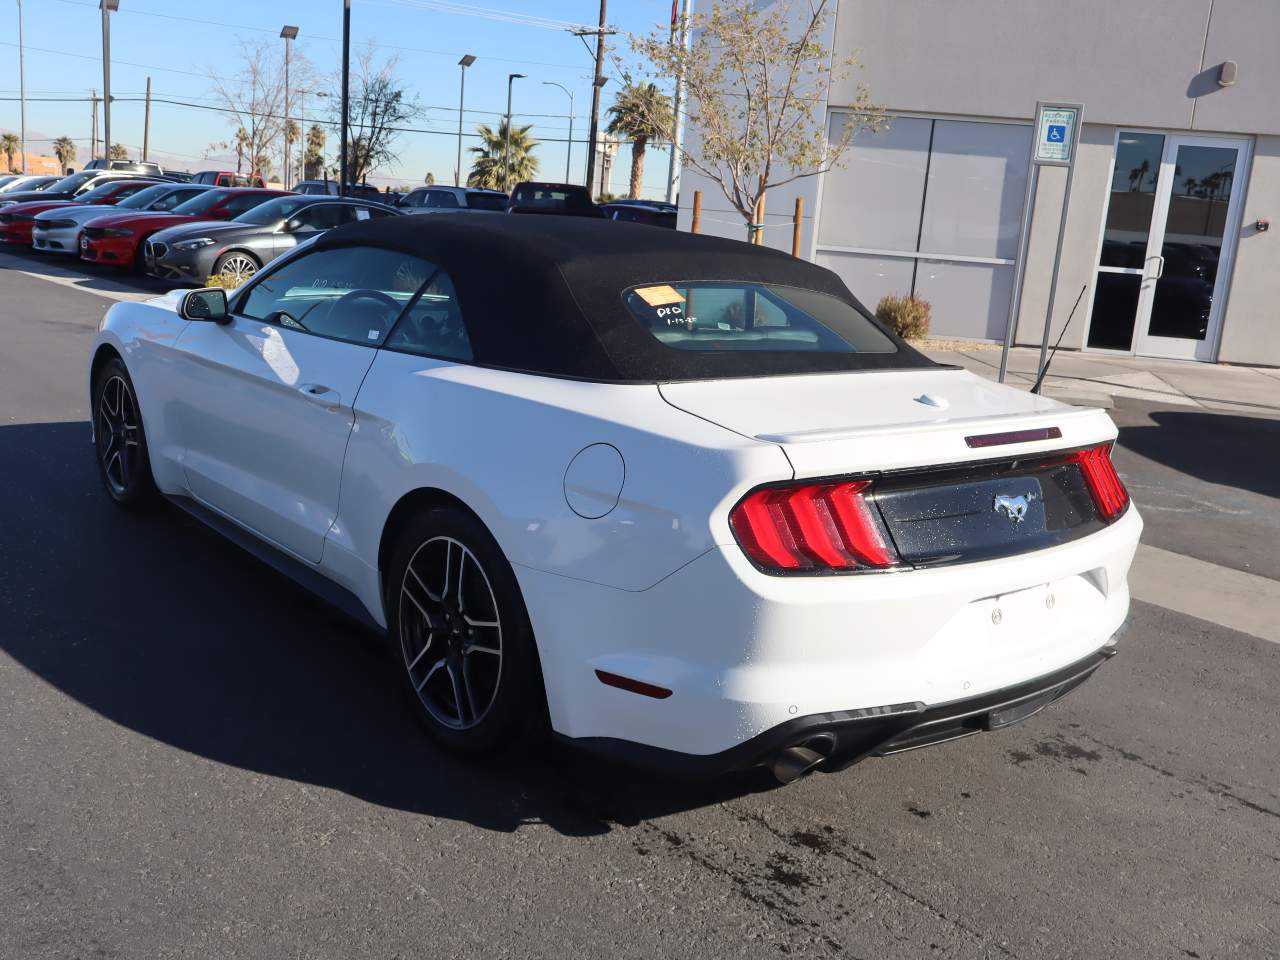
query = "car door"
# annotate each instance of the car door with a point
(268, 398)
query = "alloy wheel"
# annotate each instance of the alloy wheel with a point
(450, 633)
(117, 434)
(238, 267)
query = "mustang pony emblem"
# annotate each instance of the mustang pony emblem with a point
(1015, 508)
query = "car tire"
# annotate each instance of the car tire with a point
(236, 265)
(466, 656)
(120, 440)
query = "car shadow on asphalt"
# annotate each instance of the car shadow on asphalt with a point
(1226, 449)
(161, 626)
(85, 275)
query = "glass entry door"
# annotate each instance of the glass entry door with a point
(1167, 245)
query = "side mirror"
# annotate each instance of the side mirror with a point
(292, 225)
(207, 304)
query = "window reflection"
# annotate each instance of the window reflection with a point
(1133, 200)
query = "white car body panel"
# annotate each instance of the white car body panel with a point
(655, 588)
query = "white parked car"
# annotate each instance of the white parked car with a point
(679, 496)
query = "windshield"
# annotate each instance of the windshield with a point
(487, 201)
(272, 211)
(202, 203)
(74, 182)
(143, 198)
(713, 316)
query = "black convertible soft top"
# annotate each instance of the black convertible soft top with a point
(545, 294)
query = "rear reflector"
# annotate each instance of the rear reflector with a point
(633, 686)
(811, 527)
(1109, 494)
(1013, 436)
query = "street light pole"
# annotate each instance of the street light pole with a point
(346, 92)
(108, 7)
(568, 150)
(22, 90)
(289, 34)
(677, 122)
(466, 61)
(506, 144)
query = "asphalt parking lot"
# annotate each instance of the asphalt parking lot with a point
(198, 760)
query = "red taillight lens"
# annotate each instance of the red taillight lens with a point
(1109, 494)
(811, 527)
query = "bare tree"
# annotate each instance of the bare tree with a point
(757, 78)
(254, 98)
(379, 107)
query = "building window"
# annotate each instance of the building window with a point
(930, 207)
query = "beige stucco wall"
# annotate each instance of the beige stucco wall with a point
(1251, 329)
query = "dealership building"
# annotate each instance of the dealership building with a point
(1177, 172)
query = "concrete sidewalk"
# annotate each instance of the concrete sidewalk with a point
(1091, 379)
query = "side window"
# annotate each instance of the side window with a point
(131, 190)
(324, 216)
(348, 293)
(433, 325)
(441, 200)
(245, 201)
(373, 213)
(416, 199)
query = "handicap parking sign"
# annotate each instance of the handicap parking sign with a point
(1055, 132)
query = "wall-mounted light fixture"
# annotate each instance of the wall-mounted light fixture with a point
(1227, 73)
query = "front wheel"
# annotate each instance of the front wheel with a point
(236, 266)
(119, 438)
(461, 636)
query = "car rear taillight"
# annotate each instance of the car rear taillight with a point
(1109, 494)
(811, 527)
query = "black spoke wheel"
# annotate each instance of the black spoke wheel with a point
(119, 440)
(460, 634)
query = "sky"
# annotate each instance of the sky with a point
(178, 44)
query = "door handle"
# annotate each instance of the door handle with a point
(1159, 269)
(318, 393)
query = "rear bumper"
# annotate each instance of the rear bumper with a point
(846, 736)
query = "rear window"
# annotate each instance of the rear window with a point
(551, 198)
(487, 201)
(727, 316)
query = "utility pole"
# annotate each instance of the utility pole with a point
(506, 142)
(146, 123)
(466, 61)
(289, 34)
(568, 150)
(22, 89)
(93, 111)
(108, 7)
(596, 84)
(677, 123)
(346, 92)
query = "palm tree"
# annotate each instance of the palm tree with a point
(486, 169)
(642, 113)
(118, 152)
(64, 149)
(9, 146)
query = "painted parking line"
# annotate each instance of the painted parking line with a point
(1230, 598)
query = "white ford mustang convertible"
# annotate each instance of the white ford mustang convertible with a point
(679, 498)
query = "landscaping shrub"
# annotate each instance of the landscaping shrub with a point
(908, 317)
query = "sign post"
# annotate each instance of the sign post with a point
(1054, 140)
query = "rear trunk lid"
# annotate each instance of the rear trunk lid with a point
(831, 424)
(961, 469)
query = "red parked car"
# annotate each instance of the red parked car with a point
(16, 220)
(117, 239)
(228, 178)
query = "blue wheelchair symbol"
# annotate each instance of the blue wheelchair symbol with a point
(1057, 133)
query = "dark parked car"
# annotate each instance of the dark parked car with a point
(563, 199)
(20, 181)
(654, 214)
(436, 199)
(237, 249)
(68, 188)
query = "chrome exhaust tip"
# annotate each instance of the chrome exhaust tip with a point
(791, 763)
